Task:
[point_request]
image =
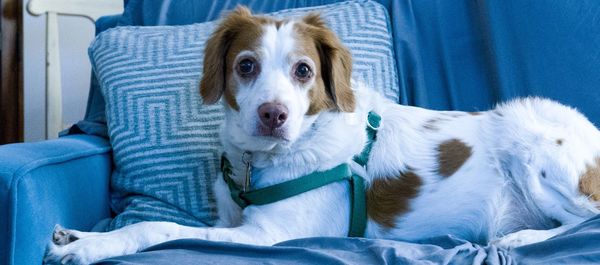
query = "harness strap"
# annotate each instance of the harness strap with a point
(373, 123)
(284, 190)
(358, 210)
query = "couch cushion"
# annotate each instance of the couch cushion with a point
(165, 142)
(61, 181)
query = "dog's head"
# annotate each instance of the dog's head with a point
(275, 76)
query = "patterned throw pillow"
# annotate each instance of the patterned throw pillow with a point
(165, 142)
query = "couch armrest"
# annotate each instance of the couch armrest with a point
(63, 181)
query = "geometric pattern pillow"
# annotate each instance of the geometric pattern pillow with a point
(165, 143)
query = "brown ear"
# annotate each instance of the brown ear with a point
(336, 63)
(212, 85)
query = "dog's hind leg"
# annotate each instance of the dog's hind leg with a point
(529, 236)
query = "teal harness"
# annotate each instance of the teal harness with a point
(284, 190)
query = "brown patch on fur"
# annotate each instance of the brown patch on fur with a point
(319, 99)
(332, 88)
(429, 125)
(238, 31)
(452, 155)
(432, 124)
(390, 197)
(475, 113)
(559, 141)
(589, 182)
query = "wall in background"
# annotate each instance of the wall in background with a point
(76, 33)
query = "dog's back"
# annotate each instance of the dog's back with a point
(528, 164)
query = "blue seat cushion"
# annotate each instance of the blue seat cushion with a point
(165, 142)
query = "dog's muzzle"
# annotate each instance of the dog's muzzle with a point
(272, 118)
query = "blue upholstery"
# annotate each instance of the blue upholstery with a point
(450, 55)
(184, 12)
(41, 184)
(468, 55)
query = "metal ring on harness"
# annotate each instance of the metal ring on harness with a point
(369, 122)
(371, 126)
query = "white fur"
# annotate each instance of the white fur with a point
(498, 191)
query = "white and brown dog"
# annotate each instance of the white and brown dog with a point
(517, 174)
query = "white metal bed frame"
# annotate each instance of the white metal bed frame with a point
(92, 9)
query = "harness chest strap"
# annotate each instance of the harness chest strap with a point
(284, 190)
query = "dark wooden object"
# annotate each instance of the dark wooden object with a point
(11, 75)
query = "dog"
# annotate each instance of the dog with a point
(518, 174)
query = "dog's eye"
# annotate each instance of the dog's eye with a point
(246, 67)
(302, 71)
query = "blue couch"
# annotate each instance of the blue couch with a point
(464, 55)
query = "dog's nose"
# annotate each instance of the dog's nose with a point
(272, 115)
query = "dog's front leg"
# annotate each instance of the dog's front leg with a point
(73, 247)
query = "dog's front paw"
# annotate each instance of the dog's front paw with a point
(522, 238)
(74, 247)
(55, 256)
(61, 236)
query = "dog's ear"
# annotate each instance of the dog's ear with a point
(336, 63)
(212, 85)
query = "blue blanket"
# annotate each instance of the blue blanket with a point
(579, 245)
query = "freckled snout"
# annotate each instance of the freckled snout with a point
(272, 115)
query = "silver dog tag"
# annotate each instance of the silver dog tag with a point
(247, 159)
